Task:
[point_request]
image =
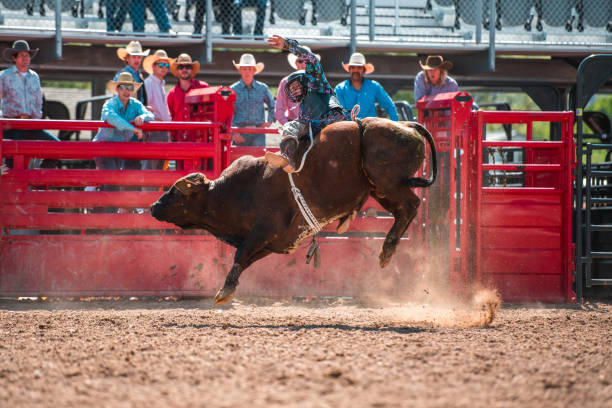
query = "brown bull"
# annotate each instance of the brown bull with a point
(251, 206)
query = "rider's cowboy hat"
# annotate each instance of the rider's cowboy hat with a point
(248, 60)
(159, 55)
(358, 60)
(291, 58)
(19, 45)
(436, 61)
(133, 48)
(184, 59)
(124, 78)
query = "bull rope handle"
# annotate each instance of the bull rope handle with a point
(297, 194)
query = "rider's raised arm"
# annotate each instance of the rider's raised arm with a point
(313, 67)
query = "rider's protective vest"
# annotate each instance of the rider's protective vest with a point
(316, 105)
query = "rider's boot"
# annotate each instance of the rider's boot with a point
(284, 158)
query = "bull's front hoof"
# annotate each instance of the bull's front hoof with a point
(224, 295)
(384, 258)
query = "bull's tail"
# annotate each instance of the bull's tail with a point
(418, 181)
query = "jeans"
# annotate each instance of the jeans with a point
(253, 139)
(137, 12)
(116, 11)
(23, 134)
(260, 14)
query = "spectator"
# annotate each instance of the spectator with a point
(137, 12)
(20, 92)
(185, 70)
(119, 111)
(225, 13)
(286, 110)
(260, 15)
(157, 66)
(361, 91)
(132, 55)
(116, 10)
(433, 79)
(251, 95)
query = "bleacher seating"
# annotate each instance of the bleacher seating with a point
(402, 21)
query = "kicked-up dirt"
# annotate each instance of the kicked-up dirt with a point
(284, 352)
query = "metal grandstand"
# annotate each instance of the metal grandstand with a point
(531, 26)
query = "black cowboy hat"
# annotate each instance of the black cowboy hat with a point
(19, 45)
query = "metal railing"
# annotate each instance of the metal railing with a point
(521, 24)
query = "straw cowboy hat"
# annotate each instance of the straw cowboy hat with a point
(19, 45)
(184, 59)
(436, 61)
(159, 55)
(133, 48)
(248, 60)
(291, 58)
(123, 78)
(358, 60)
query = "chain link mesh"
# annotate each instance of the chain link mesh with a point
(526, 21)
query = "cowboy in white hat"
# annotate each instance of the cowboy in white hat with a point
(433, 79)
(363, 92)
(133, 55)
(157, 66)
(319, 106)
(251, 96)
(20, 92)
(185, 70)
(286, 110)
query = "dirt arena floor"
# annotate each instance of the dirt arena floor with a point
(280, 352)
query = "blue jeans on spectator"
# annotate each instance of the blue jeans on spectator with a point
(116, 11)
(24, 134)
(253, 139)
(260, 14)
(137, 12)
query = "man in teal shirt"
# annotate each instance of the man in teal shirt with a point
(358, 90)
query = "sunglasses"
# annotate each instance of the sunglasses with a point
(126, 87)
(163, 65)
(189, 67)
(300, 61)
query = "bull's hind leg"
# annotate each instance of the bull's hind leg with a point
(403, 204)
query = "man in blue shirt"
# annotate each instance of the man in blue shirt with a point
(119, 111)
(133, 55)
(362, 91)
(251, 95)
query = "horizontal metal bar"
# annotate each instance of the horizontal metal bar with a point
(601, 255)
(523, 167)
(523, 144)
(600, 228)
(601, 282)
(599, 172)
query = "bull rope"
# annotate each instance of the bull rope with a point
(297, 194)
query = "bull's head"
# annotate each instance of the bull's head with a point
(184, 203)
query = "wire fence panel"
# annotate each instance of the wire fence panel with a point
(538, 22)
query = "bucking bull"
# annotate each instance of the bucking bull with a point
(251, 205)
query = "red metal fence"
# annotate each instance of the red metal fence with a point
(500, 213)
(58, 238)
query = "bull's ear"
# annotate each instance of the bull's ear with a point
(191, 183)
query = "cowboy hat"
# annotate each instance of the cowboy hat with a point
(184, 59)
(248, 60)
(19, 45)
(291, 58)
(123, 78)
(133, 48)
(159, 55)
(435, 61)
(358, 60)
